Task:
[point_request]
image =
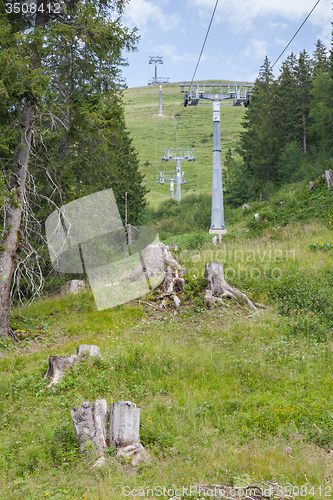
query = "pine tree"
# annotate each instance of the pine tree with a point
(59, 71)
(259, 144)
(287, 115)
(304, 85)
(320, 59)
(321, 108)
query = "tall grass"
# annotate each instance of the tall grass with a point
(225, 396)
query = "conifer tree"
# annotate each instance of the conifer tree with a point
(304, 85)
(57, 72)
(287, 116)
(259, 146)
(320, 59)
(321, 106)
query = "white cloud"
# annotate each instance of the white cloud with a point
(274, 26)
(141, 12)
(174, 55)
(256, 50)
(236, 12)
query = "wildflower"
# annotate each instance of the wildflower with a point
(149, 418)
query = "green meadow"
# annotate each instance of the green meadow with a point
(191, 127)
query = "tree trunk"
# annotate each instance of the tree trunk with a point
(304, 132)
(13, 213)
(216, 285)
(90, 421)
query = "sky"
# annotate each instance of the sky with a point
(243, 32)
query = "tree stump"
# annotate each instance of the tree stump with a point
(216, 285)
(89, 421)
(312, 186)
(168, 281)
(92, 350)
(72, 286)
(124, 431)
(329, 178)
(58, 365)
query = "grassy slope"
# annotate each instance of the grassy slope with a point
(194, 130)
(222, 394)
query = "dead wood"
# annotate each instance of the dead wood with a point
(217, 285)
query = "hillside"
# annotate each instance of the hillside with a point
(195, 130)
(226, 397)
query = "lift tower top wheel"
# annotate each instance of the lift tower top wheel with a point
(158, 80)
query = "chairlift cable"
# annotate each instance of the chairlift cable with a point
(199, 58)
(232, 48)
(255, 88)
(173, 115)
(301, 26)
(247, 34)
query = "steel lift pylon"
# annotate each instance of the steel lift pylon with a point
(240, 93)
(170, 176)
(158, 80)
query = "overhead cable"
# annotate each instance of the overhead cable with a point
(199, 58)
(301, 26)
(255, 88)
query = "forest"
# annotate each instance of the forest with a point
(288, 126)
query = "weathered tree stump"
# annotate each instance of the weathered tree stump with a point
(329, 178)
(217, 285)
(168, 258)
(90, 421)
(312, 186)
(92, 350)
(58, 365)
(72, 286)
(124, 431)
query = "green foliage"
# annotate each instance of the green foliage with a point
(284, 124)
(68, 68)
(259, 146)
(64, 447)
(300, 289)
(321, 246)
(172, 219)
(151, 434)
(322, 438)
(237, 182)
(321, 109)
